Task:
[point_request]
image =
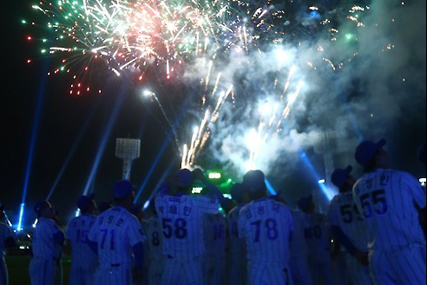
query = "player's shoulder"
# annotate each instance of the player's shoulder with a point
(340, 198)
(235, 212)
(298, 215)
(4, 228)
(403, 175)
(43, 222)
(73, 222)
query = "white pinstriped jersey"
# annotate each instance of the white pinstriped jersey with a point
(5, 233)
(343, 213)
(153, 230)
(237, 244)
(266, 225)
(299, 246)
(215, 234)
(319, 235)
(44, 245)
(182, 224)
(388, 200)
(77, 233)
(116, 231)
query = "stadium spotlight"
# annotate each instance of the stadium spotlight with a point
(215, 175)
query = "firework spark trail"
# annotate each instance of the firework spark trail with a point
(153, 95)
(133, 36)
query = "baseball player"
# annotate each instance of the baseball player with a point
(153, 230)
(300, 268)
(238, 262)
(215, 235)
(422, 158)
(318, 237)
(84, 260)
(119, 241)
(388, 200)
(349, 227)
(47, 247)
(267, 227)
(181, 218)
(7, 240)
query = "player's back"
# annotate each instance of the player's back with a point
(237, 244)
(215, 234)
(77, 233)
(343, 213)
(153, 230)
(266, 225)
(388, 200)
(181, 219)
(5, 233)
(44, 244)
(116, 231)
(318, 235)
(299, 248)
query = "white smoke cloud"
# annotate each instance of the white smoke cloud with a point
(384, 83)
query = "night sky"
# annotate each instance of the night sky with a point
(63, 116)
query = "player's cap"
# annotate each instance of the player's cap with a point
(422, 154)
(85, 201)
(183, 179)
(123, 189)
(367, 150)
(340, 176)
(305, 202)
(41, 205)
(254, 181)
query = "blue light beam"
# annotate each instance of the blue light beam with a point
(104, 140)
(72, 151)
(33, 141)
(169, 138)
(327, 192)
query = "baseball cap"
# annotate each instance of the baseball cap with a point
(367, 151)
(85, 201)
(254, 181)
(183, 179)
(340, 176)
(122, 189)
(40, 206)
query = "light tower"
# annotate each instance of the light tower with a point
(128, 150)
(326, 147)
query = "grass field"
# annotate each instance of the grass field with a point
(19, 270)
